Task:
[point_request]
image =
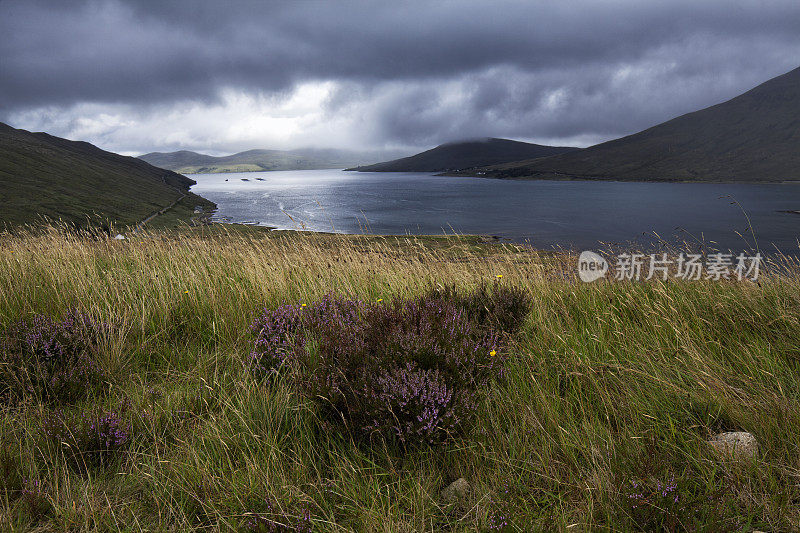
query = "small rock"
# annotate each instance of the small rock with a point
(455, 491)
(737, 444)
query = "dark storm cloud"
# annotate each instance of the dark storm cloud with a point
(415, 72)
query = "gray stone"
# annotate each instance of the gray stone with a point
(455, 491)
(736, 444)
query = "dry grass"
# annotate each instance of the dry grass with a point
(609, 383)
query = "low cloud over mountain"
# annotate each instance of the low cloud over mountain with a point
(136, 76)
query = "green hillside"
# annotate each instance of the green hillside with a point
(754, 137)
(187, 162)
(465, 155)
(46, 176)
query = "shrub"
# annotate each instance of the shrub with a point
(413, 370)
(92, 437)
(281, 332)
(500, 307)
(275, 331)
(51, 360)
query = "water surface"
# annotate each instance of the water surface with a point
(567, 214)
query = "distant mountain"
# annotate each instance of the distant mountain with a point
(187, 162)
(43, 175)
(466, 154)
(753, 137)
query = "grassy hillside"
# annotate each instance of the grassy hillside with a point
(598, 422)
(257, 160)
(753, 137)
(46, 176)
(464, 155)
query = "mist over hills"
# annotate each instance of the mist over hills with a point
(187, 162)
(466, 154)
(43, 175)
(754, 137)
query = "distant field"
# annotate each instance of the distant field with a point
(609, 393)
(217, 169)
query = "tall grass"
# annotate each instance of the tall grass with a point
(610, 392)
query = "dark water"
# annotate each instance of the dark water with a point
(568, 214)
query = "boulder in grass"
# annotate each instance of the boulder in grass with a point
(736, 444)
(456, 491)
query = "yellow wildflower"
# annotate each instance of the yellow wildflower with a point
(499, 276)
(493, 353)
(380, 300)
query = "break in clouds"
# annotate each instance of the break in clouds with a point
(137, 76)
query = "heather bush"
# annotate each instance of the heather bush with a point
(275, 331)
(51, 360)
(92, 437)
(500, 307)
(411, 370)
(281, 332)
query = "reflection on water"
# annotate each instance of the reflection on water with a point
(569, 214)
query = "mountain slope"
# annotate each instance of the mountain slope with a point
(257, 160)
(467, 154)
(43, 175)
(176, 160)
(753, 137)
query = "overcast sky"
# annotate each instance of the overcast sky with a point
(219, 77)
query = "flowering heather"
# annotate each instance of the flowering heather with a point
(500, 307)
(670, 504)
(52, 360)
(275, 331)
(420, 400)
(94, 437)
(412, 370)
(280, 332)
(500, 511)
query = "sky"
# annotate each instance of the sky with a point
(135, 76)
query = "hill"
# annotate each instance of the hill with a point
(466, 154)
(751, 138)
(187, 162)
(43, 175)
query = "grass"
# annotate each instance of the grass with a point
(611, 389)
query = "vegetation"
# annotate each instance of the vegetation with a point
(751, 138)
(598, 420)
(187, 162)
(466, 155)
(411, 371)
(45, 177)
